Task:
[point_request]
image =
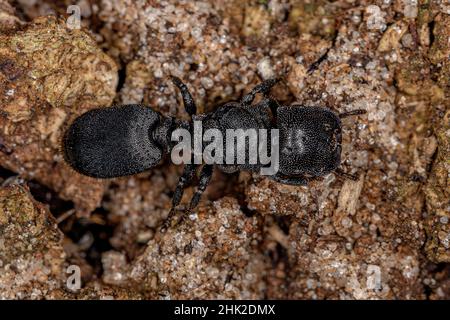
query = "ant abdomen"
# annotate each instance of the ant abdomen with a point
(113, 142)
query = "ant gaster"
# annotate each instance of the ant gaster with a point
(125, 140)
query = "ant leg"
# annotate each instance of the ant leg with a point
(185, 179)
(352, 113)
(273, 105)
(263, 111)
(205, 178)
(353, 177)
(293, 181)
(264, 87)
(189, 103)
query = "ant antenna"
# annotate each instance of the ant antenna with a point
(345, 175)
(352, 113)
(339, 171)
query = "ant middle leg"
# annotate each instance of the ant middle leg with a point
(264, 88)
(188, 101)
(205, 178)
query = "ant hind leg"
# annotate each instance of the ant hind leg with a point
(188, 101)
(183, 182)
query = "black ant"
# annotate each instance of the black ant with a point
(125, 140)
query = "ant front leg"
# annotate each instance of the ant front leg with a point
(293, 181)
(264, 88)
(183, 182)
(352, 113)
(271, 104)
(188, 101)
(345, 175)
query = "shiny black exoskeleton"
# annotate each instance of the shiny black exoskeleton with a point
(125, 140)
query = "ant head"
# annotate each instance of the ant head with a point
(310, 140)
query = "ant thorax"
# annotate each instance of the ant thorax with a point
(235, 147)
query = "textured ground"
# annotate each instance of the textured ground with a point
(386, 235)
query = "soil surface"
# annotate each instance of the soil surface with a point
(384, 236)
